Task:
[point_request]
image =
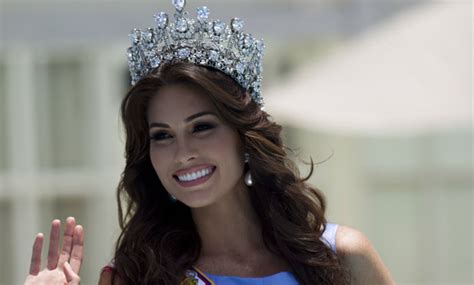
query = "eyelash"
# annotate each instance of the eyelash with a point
(159, 135)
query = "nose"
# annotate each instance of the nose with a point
(185, 152)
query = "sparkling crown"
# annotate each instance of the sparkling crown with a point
(200, 41)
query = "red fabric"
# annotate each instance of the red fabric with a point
(107, 268)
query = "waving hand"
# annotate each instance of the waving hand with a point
(62, 266)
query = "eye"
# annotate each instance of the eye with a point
(159, 136)
(203, 127)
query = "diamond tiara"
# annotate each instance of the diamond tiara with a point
(199, 41)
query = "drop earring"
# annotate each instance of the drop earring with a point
(172, 198)
(248, 176)
(248, 179)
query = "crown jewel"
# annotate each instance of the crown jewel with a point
(200, 41)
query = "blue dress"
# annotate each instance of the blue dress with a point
(280, 278)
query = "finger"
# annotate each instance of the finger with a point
(35, 264)
(71, 277)
(77, 249)
(53, 252)
(67, 241)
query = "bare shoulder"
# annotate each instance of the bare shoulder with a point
(351, 241)
(363, 261)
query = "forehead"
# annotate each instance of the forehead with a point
(175, 102)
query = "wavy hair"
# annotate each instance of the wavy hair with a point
(159, 240)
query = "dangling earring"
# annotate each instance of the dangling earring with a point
(172, 198)
(248, 179)
(247, 157)
(248, 176)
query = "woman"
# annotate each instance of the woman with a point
(211, 197)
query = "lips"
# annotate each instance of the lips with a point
(192, 169)
(197, 181)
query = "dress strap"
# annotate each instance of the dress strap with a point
(329, 235)
(194, 276)
(109, 267)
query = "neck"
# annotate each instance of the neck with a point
(229, 226)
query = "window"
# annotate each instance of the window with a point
(62, 114)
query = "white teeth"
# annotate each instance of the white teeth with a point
(195, 175)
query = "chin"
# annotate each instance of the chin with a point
(198, 199)
(194, 204)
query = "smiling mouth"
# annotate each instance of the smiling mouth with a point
(196, 178)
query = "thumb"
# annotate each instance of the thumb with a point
(71, 276)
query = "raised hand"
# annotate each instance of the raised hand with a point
(62, 267)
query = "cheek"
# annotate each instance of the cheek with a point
(158, 160)
(226, 150)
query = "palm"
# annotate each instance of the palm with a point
(62, 267)
(47, 276)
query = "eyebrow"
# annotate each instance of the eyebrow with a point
(188, 119)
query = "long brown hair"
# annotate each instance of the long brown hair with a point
(159, 240)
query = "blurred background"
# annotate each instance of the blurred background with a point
(382, 87)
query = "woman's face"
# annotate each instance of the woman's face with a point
(197, 158)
